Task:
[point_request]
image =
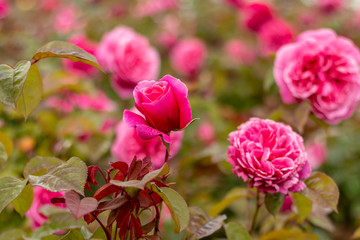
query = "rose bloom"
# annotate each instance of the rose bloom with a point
(66, 19)
(128, 144)
(323, 68)
(236, 3)
(273, 35)
(49, 5)
(206, 133)
(317, 153)
(269, 156)
(164, 105)
(330, 6)
(130, 59)
(238, 52)
(4, 9)
(152, 7)
(254, 15)
(42, 197)
(188, 56)
(80, 68)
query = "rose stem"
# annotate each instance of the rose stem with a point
(258, 205)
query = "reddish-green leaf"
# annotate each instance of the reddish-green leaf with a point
(79, 207)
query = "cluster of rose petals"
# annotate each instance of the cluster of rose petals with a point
(254, 15)
(317, 153)
(238, 52)
(129, 58)
(269, 155)
(329, 6)
(188, 56)
(42, 197)
(152, 7)
(322, 68)
(128, 144)
(164, 107)
(80, 68)
(4, 9)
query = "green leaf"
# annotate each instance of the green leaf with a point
(322, 190)
(273, 202)
(210, 227)
(40, 165)
(233, 195)
(289, 234)
(3, 155)
(235, 231)
(7, 142)
(13, 234)
(10, 188)
(302, 204)
(70, 175)
(31, 94)
(177, 206)
(73, 235)
(24, 201)
(65, 50)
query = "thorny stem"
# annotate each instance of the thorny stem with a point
(108, 234)
(258, 205)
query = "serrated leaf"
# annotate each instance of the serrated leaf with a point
(235, 231)
(177, 206)
(302, 204)
(273, 202)
(10, 188)
(233, 195)
(322, 190)
(24, 201)
(31, 93)
(41, 165)
(79, 207)
(62, 49)
(70, 175)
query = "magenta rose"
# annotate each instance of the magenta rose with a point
(42, 197)
(5, 9)
(322, 68)
(329, 6)
(254, 15)
(269, 156)
(188, 56)
(129, 58)
(164, 107)
(128, 144)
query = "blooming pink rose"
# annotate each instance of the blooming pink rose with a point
(206, 133)
(42, 197)
(164, 105)
(317, 153)
(4, 9)
(254, 15)
(188, 56)
(128, 144)
(66, 19)
(80, 68)
(273, 35)
(129, 57)
(322, 68)
(239, 52)
(269, 155)
(329, 6)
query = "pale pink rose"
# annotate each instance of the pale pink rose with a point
(273, 35)
(5, 9)
(238, 52)
(254, 15)
(317, 153)
(129, 58)
(42, 197)
(269, 156)
(188, 56)
(152, 7)
(80, 68)
(329, 6)
(128, 144)
(164, 107)
(322, 68)
(206, 133)
(66, 19)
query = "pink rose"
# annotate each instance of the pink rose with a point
(329, 6)
(80, 68)
(42, 197)
(254, 15)
(269, 155)
(188, 56)
(129, 58)
(238, 52)
(66, 19)
(236, 3)
(206, 133)
(164, 105)
(273, 35)
(49, 5)
(152, 7)
(4, 9)
(322, 68)
(128, 144)
(317, 153)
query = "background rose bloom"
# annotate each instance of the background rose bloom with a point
(80, 68)
(239, 52)
(269, 155)
(206, 133)
(188, 56)
(254, 15)
(128, 144)
(317, 153)
(130, 59)
(329, 6)
(4, 9)
(164, 105)
(66, 19)
(42, 197)
(322, 68)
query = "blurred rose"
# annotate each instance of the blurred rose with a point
(188, 56)
(164, 105)
(42, 197)
(4, 9)
(206, 133)
(273, 35)
(152, 7)
(80, 68)
(316, 153)
(254, 15)
(130, 59)
(168, 35)
(238, 52)
(322, 68)
(269, 156)
(49, 5)
(236, 3)
(329, 6)
(66, 19)
(128, 144)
